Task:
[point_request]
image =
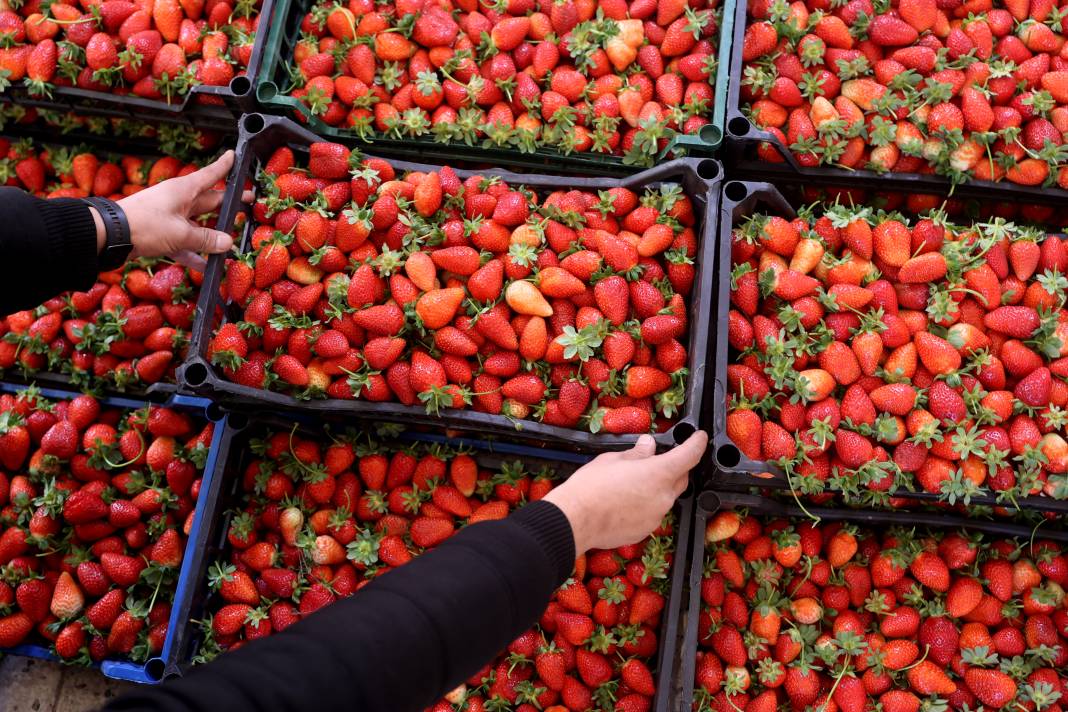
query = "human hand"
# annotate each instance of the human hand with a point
(160, 222)
(619, 497)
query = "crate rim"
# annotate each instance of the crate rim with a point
(671, 624)
(151, 671)
(709, 501)
(196, 374)
(269, 96)
(740, 132)
(732, 467)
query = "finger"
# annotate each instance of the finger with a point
(684, 457)
(642, 449)
(207, 202)
(191, 260)
(204, 239)
(248, 196)
(210, 174)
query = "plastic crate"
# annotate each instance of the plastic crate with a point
(261, 135)
(731, 467)
(150, 149)
(208, 107)
(226, 495)
(741, 136)
(270, 93)
(707, 503)
(152, 670)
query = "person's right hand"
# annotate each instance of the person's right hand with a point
(620, 497)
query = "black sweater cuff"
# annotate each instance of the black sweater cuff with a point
(71, 232)
(550, 528)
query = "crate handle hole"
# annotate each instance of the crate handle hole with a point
(739, 126)
(708, 169)
(155, 668)
(238, 421)
(266, 91)
(736, 191)
(241, 86)
(215, 412)
(196, 374)
(253, 123)
(710, 134)
(681, 432)
(710, 502)
(728, 456)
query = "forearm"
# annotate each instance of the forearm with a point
(401, 642)
(46, 247)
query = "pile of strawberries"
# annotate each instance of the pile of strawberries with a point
(874, 354)
(829, 617)
(615, 78)
(963, 89)
(95, 507)
(318, 519)
(154, 50)
(128, 331)
(568, 307)
(130, 328)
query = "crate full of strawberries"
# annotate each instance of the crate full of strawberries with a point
(310, 518)
(170, 60)
(569, 309)
(129, 331)
(833, 614)
(101, 501)
(889, 351)
(592, 86)
(967, 92)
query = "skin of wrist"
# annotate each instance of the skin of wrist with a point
(572, 510)
(101, 233)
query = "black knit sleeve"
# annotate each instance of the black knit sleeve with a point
(46, 247)
(401, 642)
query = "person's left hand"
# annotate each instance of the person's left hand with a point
(160, 222)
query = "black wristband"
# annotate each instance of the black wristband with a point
(117, 241)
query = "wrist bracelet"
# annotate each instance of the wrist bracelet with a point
(117, 241)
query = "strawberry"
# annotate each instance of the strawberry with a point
(14, 628)
(329, 160)
(991, 687)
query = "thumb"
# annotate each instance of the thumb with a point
(204, 239)
(209, 175)
(643, 448)
(685, 457)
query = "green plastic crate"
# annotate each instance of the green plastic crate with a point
(282, 37)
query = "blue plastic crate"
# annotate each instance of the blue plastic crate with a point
(153, 670)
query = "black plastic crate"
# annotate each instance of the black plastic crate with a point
(226, 494)
(105, 144)
(731, 468)
(203, 106)
(741, 137)
(708, 502)
(261, 135)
